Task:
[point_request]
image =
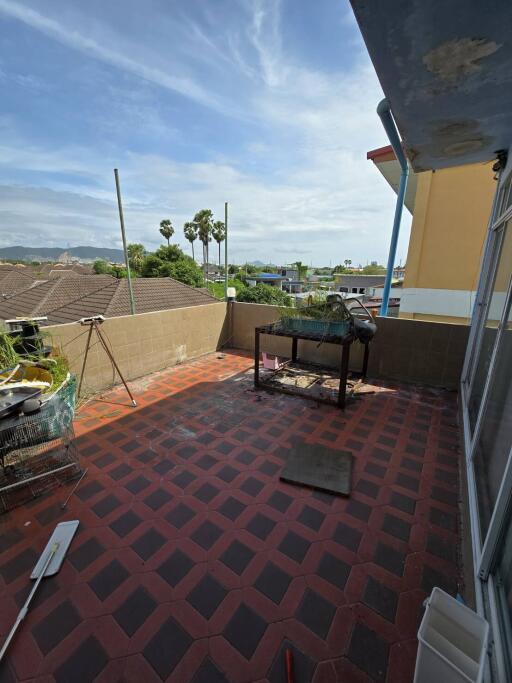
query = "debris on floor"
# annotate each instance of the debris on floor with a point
(321, 382)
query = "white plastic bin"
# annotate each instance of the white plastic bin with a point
(452, 642)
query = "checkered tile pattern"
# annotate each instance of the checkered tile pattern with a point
(193, 562)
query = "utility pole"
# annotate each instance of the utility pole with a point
(121, 220)
(226, 249)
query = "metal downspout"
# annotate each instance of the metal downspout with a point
(384, 112)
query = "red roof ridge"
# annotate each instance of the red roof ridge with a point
(379, 152)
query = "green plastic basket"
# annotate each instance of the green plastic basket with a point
(64, 400)
(323, 327)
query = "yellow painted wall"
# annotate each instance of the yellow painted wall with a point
(451, 214)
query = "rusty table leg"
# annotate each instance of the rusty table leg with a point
(295, 343)
(257, 358)
(365, 360)
(345, 355)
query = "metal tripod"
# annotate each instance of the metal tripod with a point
(94, 324)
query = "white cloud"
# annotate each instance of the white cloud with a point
(300, 186)
(78, 41)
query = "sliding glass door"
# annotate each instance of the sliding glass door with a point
(487, 408)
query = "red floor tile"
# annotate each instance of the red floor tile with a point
(193, 558)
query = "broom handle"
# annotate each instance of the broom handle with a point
(23, 611)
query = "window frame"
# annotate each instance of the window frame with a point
(486, 551)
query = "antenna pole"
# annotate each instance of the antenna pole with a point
(226, 249)
(121, 220)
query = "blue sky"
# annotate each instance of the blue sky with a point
(266, 104)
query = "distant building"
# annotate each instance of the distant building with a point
(289, 272)
(66, 258)
(293, 286)
(272, 279)
(315, 277)
(357, 284)
(399, 272)
(450, 208)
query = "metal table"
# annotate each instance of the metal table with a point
(345, 341)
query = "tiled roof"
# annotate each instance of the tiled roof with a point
(68, 271)
(49, 295)
(13, 281)
(150, 294)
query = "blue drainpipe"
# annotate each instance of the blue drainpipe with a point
(384, 111)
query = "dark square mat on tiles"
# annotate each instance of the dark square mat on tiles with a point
(319, 467)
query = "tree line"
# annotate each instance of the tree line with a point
(170, 260)
(201, 227)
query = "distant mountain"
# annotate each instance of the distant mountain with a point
(53, 253)
(257, 264)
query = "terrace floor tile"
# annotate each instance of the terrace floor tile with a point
(194, 562)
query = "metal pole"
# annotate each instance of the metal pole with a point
(121, 220)
(23, 611)
(226, 249)
(384, 112)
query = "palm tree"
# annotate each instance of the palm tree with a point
(219, 234)
(302, 271)
(190, 231)
(166, 229)
(347, 262)
(136, 254)
(204, 222)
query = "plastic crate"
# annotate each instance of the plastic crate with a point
(323, 327)
(452, 642)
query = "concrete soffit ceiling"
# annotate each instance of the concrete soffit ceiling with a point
(446, 69)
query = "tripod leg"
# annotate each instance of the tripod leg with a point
(109, 354)
(87, 345)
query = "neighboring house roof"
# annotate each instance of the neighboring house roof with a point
(62, 268)
(150, 294)
(60, 272)
(360, 280)
(13, 281)
(43, 298)
(265, 276)
(385, 160)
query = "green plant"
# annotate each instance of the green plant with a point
(219, 234)
(318, 309)
(101, 267)
(185, 270)
(8, 356)
(172, 262)
(190, 231)
(151, 266)
(218, 288)
(166, 230)
(302, 270)
(204, 221)
(264, 294)
(136, 253)
(59, 370)
(57, 365)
